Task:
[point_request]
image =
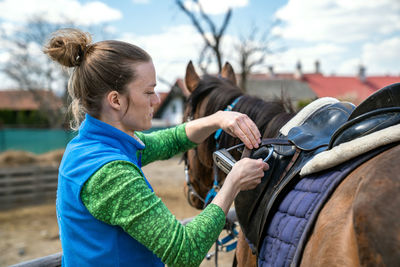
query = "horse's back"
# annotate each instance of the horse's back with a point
(359, 224)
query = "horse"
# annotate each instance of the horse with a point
(356, 225)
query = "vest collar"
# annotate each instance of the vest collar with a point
(93, 128)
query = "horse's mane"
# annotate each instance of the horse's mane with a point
(269, 116)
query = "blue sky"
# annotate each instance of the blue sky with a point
(341, 34)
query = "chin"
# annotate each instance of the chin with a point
(147, 127)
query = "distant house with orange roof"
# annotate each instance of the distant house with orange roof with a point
(26, 100)
(302, 86)
(22, 107)
(351, 88)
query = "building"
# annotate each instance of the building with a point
(308, 86)
(172, 105)
(19, 107)
(300, 87)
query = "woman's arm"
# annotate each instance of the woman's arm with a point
(164, 144)
(117, 194)
(234, 123)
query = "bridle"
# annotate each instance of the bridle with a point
(216, 184)
(191, 190)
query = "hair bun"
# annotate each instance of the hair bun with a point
(68, 46)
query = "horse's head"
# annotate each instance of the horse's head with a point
(208, 94)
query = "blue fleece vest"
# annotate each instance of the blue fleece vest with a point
(85, 240)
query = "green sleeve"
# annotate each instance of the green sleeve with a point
(164, 144)
(118, 195)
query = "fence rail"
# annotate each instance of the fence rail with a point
(27, 185)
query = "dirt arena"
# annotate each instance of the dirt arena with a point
(31, 232)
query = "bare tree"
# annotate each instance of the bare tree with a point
(253, 51)
(211, 42)
(33, 71)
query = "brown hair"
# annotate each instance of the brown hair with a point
(99, 68)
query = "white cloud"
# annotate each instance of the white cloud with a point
(379, 58)
(4, 57)
(348, 66)
(341, 34)
(170, 50)
(382, 57)
(338, 21)
(214, 7)
(327, 54)
(58, 11)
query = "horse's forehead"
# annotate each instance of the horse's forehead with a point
(201, 107)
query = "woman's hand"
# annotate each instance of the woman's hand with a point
(246, 174)
(234, 123)
(241, 126)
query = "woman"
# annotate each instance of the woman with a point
(107, 212)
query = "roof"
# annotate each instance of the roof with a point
(275, 88)
(26, 100)
(163, 96)
(268, 76)
(177, 90)
(349, 88)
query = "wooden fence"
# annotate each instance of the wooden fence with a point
(27, 185)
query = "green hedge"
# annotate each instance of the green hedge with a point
(25, 118)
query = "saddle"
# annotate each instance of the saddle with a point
(375, 113)
(316, 123)
(319, 128)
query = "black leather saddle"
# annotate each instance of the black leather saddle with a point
(329, 126)
(290, 153)
(377, 112)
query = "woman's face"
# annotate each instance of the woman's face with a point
(142, 98)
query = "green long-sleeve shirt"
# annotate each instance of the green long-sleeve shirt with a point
(118, 195)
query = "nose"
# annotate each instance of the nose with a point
(155, 100)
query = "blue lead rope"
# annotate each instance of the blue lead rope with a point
(228, 108)
(213, 191)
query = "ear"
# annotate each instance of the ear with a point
(113, 100)
(191, 78)
(228, 73)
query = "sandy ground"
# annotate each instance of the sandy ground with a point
(31, 232)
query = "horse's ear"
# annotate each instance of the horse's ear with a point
(191, 78)
(228, 73)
